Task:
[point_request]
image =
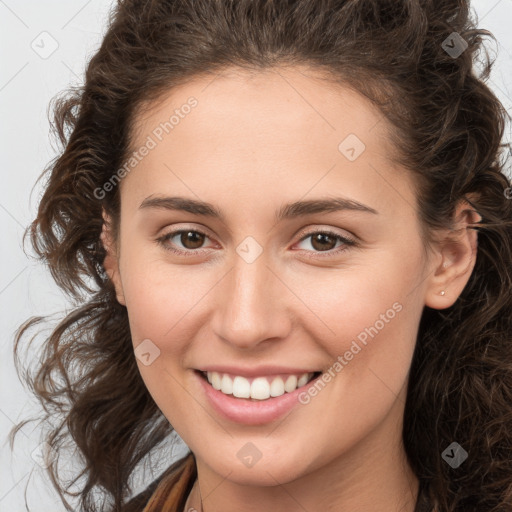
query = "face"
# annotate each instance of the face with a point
(265, 289)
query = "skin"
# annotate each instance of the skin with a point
(254, 142)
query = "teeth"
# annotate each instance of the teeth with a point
(241, 388)
(215, 380)
(261, 388)
(303, 380)
(277, 388)
(226, 385)
(290, 384)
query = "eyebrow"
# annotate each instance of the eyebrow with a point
(288, 211)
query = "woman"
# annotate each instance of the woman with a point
(295, 228)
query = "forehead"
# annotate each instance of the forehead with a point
(274, 132)
(260, 102)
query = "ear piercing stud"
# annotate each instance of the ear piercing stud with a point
(442, 292)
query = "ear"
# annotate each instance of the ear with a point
(454, 258)
(111, 262)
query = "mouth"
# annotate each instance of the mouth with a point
(259, 388)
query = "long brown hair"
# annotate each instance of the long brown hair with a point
(409, 57)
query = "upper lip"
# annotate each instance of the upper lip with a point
(259, 371)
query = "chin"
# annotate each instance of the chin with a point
(265, 472)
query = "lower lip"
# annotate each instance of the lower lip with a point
(247, 411)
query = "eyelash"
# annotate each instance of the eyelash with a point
(348, 242)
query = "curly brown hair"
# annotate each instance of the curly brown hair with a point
(448, 128)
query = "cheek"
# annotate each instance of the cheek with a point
(345, 303)
(162, 299)
(366, 320)
(163, 303)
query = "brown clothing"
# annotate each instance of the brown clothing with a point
(169, 492)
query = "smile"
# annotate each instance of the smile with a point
(258, 388)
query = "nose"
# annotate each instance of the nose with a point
(252, 304)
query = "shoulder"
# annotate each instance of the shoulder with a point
(167, 492)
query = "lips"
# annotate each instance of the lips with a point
(250, 411)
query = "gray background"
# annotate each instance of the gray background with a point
(28, 80)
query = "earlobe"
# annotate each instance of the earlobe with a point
(456, 254)
(110, 262)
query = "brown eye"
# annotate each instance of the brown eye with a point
(191, 239)
(185, 242)
(323, 241)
